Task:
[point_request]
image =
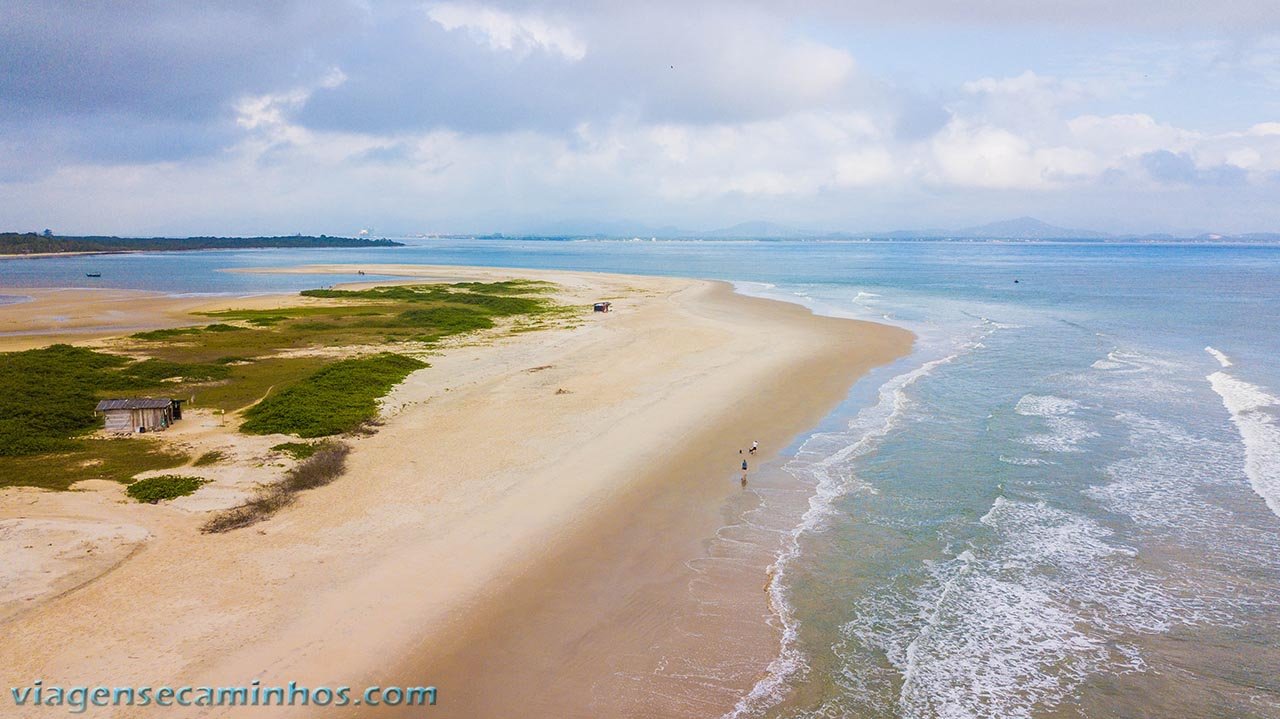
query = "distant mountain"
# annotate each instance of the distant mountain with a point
(758, 229)
(1027, 228)
(1020, 228)
(930, 233)
(595, 228)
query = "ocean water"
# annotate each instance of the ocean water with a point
(1064, 503)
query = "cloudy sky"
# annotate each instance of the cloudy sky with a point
(328, 116)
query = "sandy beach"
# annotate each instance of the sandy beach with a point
(520, 528)
(46, 316)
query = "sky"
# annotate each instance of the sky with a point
(334, 116)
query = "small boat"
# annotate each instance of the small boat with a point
(93, 274)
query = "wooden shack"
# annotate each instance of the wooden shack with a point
(139, 415)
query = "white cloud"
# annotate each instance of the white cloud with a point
(723, 117)
(1129, 135)
(860, 168)
(983, 156)
(515, 33)
(271, 110)
(1046, 90)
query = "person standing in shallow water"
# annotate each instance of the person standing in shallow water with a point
(744, 471)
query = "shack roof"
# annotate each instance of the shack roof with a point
(144, 403)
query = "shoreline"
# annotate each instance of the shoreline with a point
(540, 624)
(437, 583)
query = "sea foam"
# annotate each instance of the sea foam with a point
(1223, 360)
(824, 459)
(1254, 412)
(1066, 431)
(1015, 623)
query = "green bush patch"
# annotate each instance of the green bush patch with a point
(336, 399)
(168, 486)
(445, 320)
(148, 372)
(209, 458)
(170, 333)
(298, 450)
(117, 460)
(48, 395)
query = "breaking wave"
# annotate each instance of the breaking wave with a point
(1254, 412)
(824, 459)
(1011, 625)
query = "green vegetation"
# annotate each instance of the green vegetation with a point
(298, 450)
(170, 333)
(338, 398)
(326, 465)
(47, 396)
(152, 372)
(280, 358)
(443, 321)
(116, 460)
(208, 458)
(249, 383)
(492, 298)
(168, 486)
(506, 287)
(13, 243)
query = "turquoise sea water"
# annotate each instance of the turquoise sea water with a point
(1065, 503)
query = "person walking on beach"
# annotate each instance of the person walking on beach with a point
(744, 472)
(754, 446)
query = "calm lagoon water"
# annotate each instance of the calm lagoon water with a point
(1065, 503)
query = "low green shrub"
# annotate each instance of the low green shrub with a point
(115, 460)
(445, 320)
(149, 372)
(171, 332)
(47, 396)
(208, 458)
(167, 486)
(336, 399)
(297, 450)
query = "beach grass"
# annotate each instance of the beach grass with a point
(297, 450)
(248, 383)
(338, 398)
(208, 458)
(170, 333)
(117, 460)
(48, 395)
(166, 486)
(310, 370)
(325, 465)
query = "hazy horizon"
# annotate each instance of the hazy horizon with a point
(520, 117)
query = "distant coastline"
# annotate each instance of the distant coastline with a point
(1021, 229)
(30, 244)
